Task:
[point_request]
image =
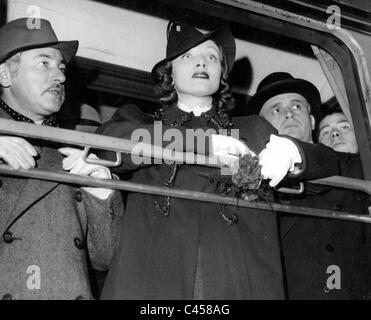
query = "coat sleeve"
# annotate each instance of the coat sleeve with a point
(320, 161)
(103, 225)
(255, 131)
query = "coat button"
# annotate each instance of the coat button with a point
(338, 207)
(79, 244)
(78, 196)
(7, 296)
(8, 237)
(329, 248)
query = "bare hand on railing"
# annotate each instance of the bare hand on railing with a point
(75, 164)
(278, 158)
(17, 152)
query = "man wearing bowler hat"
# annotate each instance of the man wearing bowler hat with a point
(291, 105)
(49, 231)
(312, 245)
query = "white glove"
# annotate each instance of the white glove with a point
(75, 164)
(228, 151)
(17, 152)
(279, 157)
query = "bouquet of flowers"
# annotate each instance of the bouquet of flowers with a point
(246, 183)
(247, 180)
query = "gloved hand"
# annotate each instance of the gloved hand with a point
(17, 152)
(75, 164)
(278, 158)
(228, 151)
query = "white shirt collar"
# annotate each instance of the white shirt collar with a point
(196, 110)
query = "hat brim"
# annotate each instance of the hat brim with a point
(300, 86)
(222, 37)
(67, 48)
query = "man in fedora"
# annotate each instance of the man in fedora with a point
(311, 246)
(49, 231)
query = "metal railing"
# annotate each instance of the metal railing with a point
(88, 140)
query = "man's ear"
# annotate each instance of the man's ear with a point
(5, 76)
(313, 122)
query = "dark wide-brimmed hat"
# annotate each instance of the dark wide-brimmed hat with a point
(182, 37)
(26, 34)
(282, 82)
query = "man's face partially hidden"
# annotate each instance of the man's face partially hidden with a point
(36, 89)
(289, 113)
(336, 132)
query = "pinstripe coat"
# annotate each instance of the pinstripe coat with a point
(49, 232)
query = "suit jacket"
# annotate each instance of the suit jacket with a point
(49, 232)
(163, 256)
(311, 245)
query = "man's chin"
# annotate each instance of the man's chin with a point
(342, 148)
(292, 132)
(52, 108)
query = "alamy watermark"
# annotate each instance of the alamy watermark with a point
(34, 16)
(334, 280)
(34, 279)
(334, 20)
(158, 145)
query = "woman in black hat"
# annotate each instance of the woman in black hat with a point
(181, 249)
(194, 74)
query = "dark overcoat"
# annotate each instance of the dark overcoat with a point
(158, 256)
(49, 231)
(311, 245)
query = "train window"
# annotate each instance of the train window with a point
(324, 42)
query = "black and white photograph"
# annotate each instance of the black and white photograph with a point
(185, 154)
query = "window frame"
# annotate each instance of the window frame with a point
(254, 14)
